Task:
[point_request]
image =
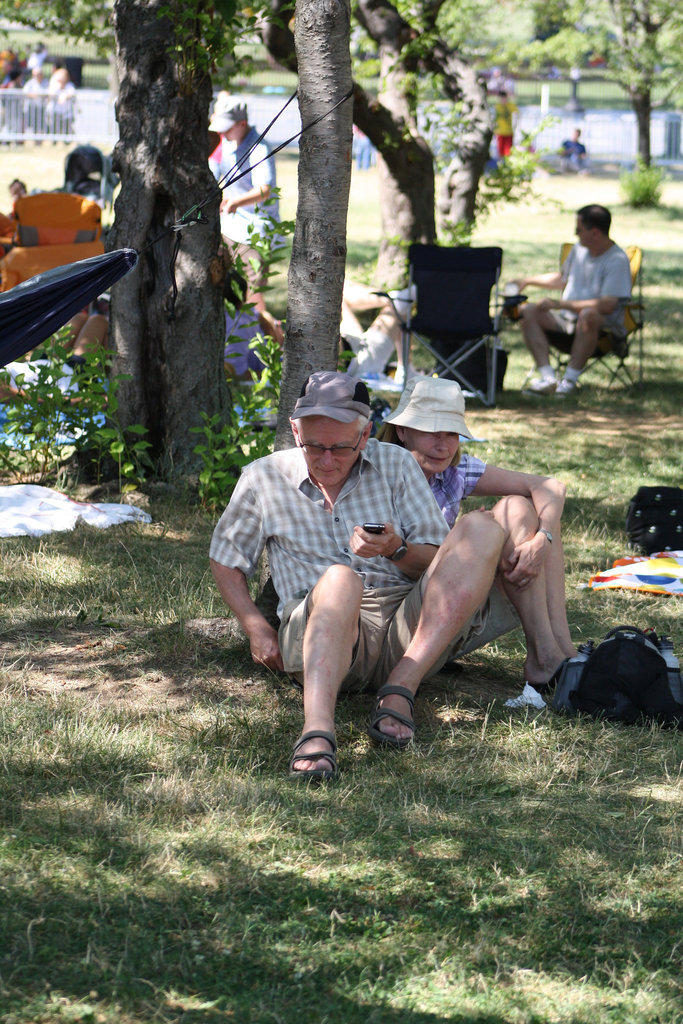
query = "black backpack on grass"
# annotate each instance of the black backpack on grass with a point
(654, 521)
(624, 679)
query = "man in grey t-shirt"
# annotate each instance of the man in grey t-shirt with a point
(596, 285)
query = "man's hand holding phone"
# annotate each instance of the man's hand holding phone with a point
(375, 540)
(373, 527)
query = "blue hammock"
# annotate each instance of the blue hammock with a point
(33, 310)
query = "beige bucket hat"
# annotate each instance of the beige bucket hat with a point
(431, 404)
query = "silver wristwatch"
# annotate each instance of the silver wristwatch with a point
(399, 553)
(547, 533)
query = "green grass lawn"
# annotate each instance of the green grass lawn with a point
(156, 865)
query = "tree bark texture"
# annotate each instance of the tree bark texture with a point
(458, 193)
(318, 263)
(642, 107)
(171, 347)
(639, 27)
(405, 164)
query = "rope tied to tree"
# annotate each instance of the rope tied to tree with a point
(195, 213)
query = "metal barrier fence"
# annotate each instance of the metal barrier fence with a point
(607, 134)
(88, 116)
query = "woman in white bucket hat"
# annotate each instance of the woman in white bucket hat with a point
(430, 423)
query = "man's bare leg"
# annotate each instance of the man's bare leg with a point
(330, 635)
(458, 582)
(359, 298)
(92, 336)
(586, 338)
(386, 322)
(535, 323)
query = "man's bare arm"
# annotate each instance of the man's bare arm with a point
(552, 280)
(232, 586)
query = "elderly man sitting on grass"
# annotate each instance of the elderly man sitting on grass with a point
(375, 591)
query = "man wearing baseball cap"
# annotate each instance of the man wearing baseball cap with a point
(375, 592)
(244, 217)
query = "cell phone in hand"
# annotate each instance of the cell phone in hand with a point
(373, 527)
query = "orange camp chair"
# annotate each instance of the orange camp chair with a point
(7, 226)
(52, 229)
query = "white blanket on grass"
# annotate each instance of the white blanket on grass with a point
(27, 510)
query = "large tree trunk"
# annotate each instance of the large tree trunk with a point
(172, 348)
(405, 164)
(317, 266)
(406, 186)
(458, 193)
(641, 100)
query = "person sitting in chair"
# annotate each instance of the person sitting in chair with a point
(429, 422)
(382, 341)
(596, 285)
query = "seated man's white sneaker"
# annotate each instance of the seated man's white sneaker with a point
(565, 387)
(540, 386)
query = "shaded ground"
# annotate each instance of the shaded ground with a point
(140, 665)
(209, 659)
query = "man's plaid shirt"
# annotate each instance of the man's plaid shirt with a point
(276, 505)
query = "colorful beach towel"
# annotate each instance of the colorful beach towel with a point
(660, 573)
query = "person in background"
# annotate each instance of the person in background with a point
(14, 79)
(499, 80)
(17, 189)
(364, 152)
(429, 422)
(36, 89)
(506, 112)
(596, 285)
(10, 63)
(87, 332)
(61, 102)
(243, 323)
(36, 57)
(382, 341)
(573, 156)
(8, 222)
(245, 217)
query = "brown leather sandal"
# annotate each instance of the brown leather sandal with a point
(378, 713)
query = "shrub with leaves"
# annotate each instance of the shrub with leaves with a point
(643, 186)
(60, 413)
(249, 432)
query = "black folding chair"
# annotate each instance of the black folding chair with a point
(457, 315)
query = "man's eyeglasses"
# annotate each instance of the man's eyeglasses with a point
(341, 450)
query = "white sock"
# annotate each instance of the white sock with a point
(546, 372)
(571, 374)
